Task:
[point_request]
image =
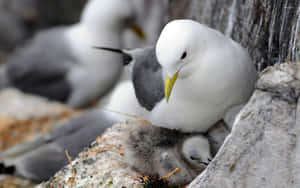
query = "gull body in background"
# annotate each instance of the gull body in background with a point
(60, 63)
(208, 77)
(152, 17)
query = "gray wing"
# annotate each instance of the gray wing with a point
(147, 79)
(41, 66)
(146, 74)
(45, 158)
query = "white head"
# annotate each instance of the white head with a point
(196, 151)
(113, 14)
(179, 46)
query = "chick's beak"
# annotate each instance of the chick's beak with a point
(169, 84)
(138, 31)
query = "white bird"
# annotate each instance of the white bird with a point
(61, 64)
(209, 75)
(214, 75)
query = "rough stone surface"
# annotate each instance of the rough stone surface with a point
(102, 165)
(269, 29)
(263, 147)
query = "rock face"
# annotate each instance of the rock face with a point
(103, 165)
(268, 28)
(263, 148)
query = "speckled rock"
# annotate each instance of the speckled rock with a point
(102, 165)
(263, 148)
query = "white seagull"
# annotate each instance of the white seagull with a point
(209, 75)
(61, 64)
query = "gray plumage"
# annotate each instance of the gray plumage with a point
(158, 151)
(146, 74)
(147, 70)
(26, 68)
(40, 159)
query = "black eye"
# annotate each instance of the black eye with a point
(183, 55)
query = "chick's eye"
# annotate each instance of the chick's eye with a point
(183, 55)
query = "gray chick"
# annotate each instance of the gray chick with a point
(158, 151)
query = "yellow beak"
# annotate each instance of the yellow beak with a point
(138, 31)
(169, 84)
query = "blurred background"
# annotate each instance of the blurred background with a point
(269, 29)
(20, 20)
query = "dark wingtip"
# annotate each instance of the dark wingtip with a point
(10, 170)
(126, 57)
(109, 49)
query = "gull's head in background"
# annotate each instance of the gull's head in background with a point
(113, 14)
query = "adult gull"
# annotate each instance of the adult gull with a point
(197, 77)
(60, 63)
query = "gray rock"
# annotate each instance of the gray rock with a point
(263, 147)
(102, 165)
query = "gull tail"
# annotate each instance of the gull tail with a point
(127, 57)
(9, 170)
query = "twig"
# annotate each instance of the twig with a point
(71, 180)
(171, 173)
